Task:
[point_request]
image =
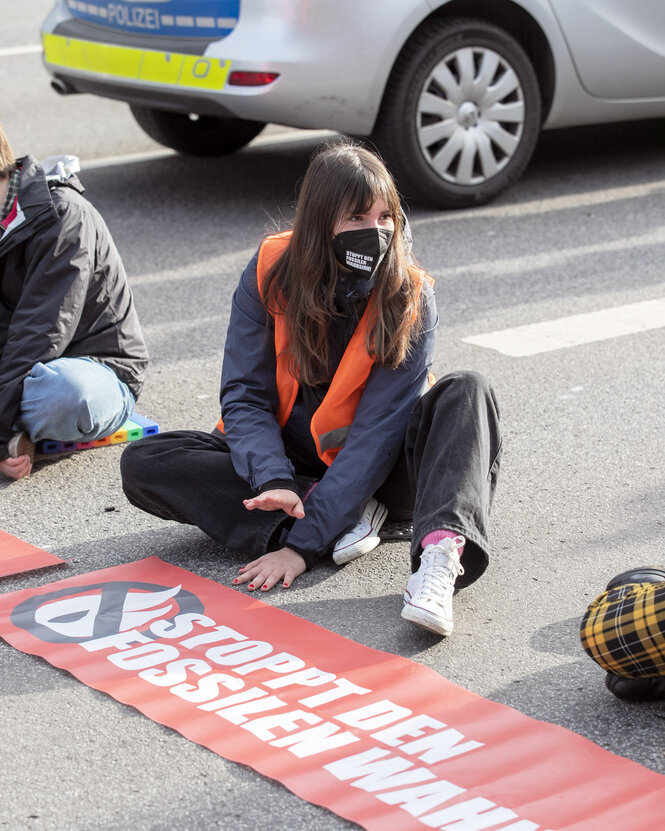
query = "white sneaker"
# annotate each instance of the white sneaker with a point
(364, 537)
(428, 597)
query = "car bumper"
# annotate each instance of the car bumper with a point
(301, 46)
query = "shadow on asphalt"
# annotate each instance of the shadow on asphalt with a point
(574, 696)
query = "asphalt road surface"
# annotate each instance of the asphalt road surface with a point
(581, 490)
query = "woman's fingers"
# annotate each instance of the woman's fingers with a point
(276, 500)
(258, 577)
(282, 566)
(16, 468)
(298, 509)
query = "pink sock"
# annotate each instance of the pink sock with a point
(441, 534)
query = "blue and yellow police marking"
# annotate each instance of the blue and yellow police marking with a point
(172, 68)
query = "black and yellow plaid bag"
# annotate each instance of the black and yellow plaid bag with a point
(623, 630)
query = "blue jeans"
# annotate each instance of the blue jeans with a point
(73, 399)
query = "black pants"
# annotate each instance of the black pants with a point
(445, 477)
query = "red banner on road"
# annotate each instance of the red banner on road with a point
(376, 738)
(17, 556)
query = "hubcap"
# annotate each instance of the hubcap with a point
(470, 116)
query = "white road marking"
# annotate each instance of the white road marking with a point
(12, 51)
(550, 259)
(286, 137)
(565, 332)
(542, 206)
(127, 158)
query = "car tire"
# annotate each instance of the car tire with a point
(461, 114)
(203, 135)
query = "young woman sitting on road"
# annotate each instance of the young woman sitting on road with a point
(330, 421)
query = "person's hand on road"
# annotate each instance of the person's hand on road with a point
(16, 468)
(283, 565)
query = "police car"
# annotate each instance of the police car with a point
(453, 92)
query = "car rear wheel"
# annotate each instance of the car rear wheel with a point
(461, 114)
(196, 135)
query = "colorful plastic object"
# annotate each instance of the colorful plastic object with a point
(136, 427)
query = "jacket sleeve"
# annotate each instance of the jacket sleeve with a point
(372, 447)
(59, 261)
(248, 393)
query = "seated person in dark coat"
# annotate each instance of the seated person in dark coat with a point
(72, 356)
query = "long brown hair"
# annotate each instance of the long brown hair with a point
(343, 178)
(7, 160)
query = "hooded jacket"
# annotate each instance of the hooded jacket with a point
(63, 287)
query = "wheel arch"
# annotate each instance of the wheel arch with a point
(514, 20)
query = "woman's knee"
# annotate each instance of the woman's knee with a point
(461, 387)
(155, 458)
(466, 382)
(138, 460)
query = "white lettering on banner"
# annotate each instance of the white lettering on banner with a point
(248, 651)
(123, 640)
(392, 736)
(344, 688)
(310, 677)
(326, 736)
(377, 773)
(391, 778)
(222, 633)
(229, 700)
(207, 688)
(374, 715)
(141, 657)
(439, 746)
(416, 801)
(180, 625)
(262, 727)
(371, 771)
(281, 662)
(174, 672)
(238, 713)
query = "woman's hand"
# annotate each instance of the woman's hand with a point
(19, 467)
(275, 500)
(284, 564)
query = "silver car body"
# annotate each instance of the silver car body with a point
(453, 93)
(334, 58)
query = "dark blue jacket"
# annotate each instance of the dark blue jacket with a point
(263, 454)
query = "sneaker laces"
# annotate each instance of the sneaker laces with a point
(441, 570)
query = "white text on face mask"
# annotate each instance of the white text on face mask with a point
(363, 262)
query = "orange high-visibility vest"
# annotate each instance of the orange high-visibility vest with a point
(332, 421)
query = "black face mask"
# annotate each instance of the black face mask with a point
(362, 250)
